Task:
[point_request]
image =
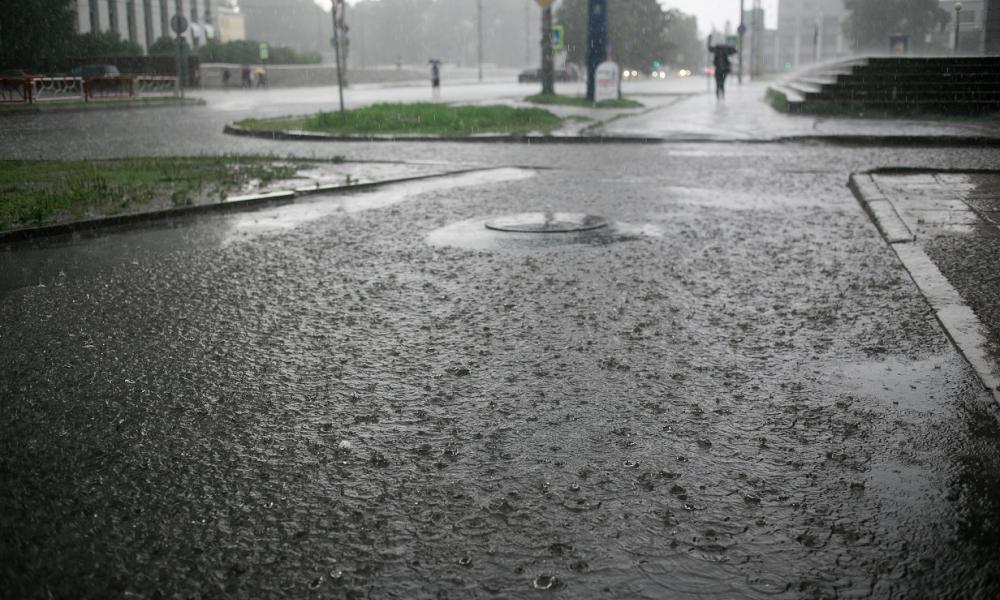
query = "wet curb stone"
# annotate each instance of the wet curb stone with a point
(231, 204)
(960, 323)
(845, 140)
(35, 109)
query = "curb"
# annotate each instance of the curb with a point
(231, 204)
(844, 140)
(311, 136)
(960, 323)
(35, 109)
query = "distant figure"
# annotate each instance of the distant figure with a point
(435, 81)
(720, 61)
(226, 75)
(260, 74)
(245, 75)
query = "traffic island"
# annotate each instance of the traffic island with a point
(581, 101)
(418, 121)
(56, 198)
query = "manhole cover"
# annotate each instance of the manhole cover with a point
(541, 222)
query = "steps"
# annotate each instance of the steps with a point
(967, 85)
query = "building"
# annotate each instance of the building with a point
(810, 31)
(145, 21)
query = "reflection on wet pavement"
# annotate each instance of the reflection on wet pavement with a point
(747, 398)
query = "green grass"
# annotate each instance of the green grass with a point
(560, 100)
(36, 192)
(423, 118)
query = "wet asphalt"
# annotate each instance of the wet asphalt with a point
(733, 391)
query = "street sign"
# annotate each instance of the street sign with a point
(606, 79)
(558, 37)
(741, 29)
(179, 24)
(263, 51)
(544, 3)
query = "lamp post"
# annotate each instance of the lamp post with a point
(958, 12)
(479, 33)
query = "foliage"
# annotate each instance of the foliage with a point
(418, 119)
(166, 46)
(248, 51)
(34, 192)
(639, 32)
(35, 35)
(102, 43)
(869, 22)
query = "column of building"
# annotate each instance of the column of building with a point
(142, 21)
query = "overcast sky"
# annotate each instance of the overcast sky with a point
(710, 13)
(715, 12)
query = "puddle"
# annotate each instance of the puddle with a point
(906, 384)
(283, 218)
(474, 234)
(719, 198)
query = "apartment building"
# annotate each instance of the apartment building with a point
(145, 21)
(810, 31)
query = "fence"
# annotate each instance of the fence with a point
(46, 89)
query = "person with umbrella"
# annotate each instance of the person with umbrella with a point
(720, 60)
(435, 78)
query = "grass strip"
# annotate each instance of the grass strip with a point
(422, 118)
(38, 192)
(560, 100)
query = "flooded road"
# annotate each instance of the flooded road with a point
(733, 390)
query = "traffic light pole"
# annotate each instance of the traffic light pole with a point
(548, 62)
(741, 31)
(336, 52)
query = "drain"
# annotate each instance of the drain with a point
(547, 222)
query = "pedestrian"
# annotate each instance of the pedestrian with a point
(226, 75)
(720, 60)
(261, 76)
(435, 80)
(245, 75)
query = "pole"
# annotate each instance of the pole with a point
(336, 52)
(548, 63)
(180, 65)
(479, 31)
(958, 12)
(742, 29)
(597, 40)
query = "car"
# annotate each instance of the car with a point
(88, 71)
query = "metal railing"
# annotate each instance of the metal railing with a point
(24, 90)
(15, 90)
(56, 88)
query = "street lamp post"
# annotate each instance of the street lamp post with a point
(958, 12)
(741, 30)
(479, 32)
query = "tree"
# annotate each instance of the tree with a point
(870, 22)
(102, 44)
(639, 32)
(34, 35)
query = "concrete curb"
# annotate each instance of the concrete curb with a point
(960, 323)
(232, 204)
(35, 109)
(844, 140)
(311, 136)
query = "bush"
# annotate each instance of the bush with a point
(248, 51)
(104, 43)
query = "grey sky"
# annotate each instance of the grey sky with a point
(709, 12)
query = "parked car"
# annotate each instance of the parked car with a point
(88, 71)
(535, 74)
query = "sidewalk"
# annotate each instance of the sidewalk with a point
(745, 116)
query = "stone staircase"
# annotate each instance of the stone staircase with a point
(966, 85)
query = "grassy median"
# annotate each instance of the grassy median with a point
(422, 118)
(560, 100)
(37, 192)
